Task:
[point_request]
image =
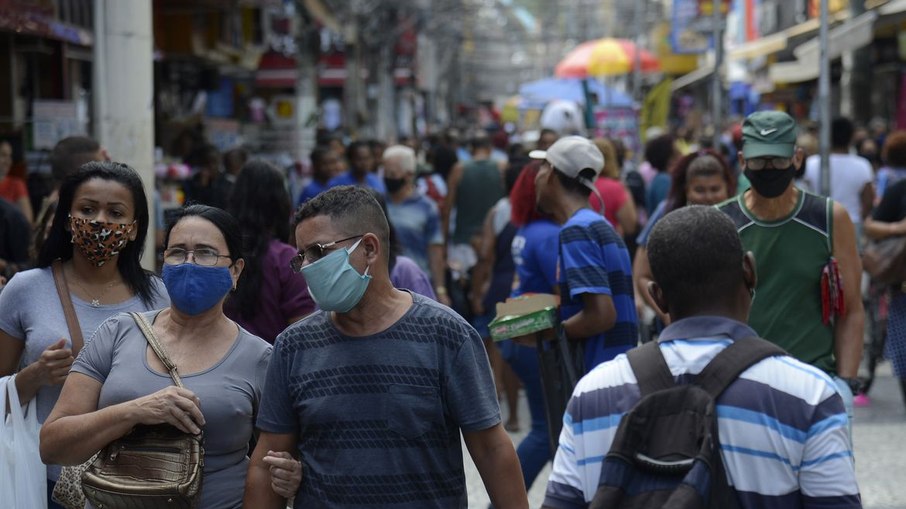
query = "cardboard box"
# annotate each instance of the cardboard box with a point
(524, 315)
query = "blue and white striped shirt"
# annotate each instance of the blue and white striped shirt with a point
(594, 259)
(782, 425)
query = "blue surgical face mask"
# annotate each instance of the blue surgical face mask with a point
(195, 289)
(334, 283)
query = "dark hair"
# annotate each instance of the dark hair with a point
(394, 247)
(574, 186)
(261, 205)
(71, 153)
(318, 154)
(480, 142)
(548, 131)
(704, 163)
(353, 210)
(443, 160)
(237, 156)
(224, 222)
(894, 151)
(659, 151)
(355, 146)
(58, 244)
(513, 170)
(695, 256)
(842, 130)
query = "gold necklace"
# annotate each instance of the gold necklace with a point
(96, 299)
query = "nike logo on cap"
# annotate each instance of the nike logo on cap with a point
(765, 132)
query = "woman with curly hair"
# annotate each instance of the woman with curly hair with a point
(700, 178)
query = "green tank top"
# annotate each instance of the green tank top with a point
(790, 254)
(480, 188)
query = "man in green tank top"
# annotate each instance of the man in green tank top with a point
(474, 187)
(795, 237)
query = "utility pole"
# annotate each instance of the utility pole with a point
(824, 102)
(123, 93)
(637, 57)
(717, 93)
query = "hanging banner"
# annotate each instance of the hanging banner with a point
(684, 38)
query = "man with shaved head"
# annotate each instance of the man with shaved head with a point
(782, 426)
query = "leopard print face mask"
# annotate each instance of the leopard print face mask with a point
(99, 241)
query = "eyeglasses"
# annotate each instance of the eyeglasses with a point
(314, 253)
(777, 163)
(202, 256)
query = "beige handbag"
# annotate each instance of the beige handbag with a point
(155, 466)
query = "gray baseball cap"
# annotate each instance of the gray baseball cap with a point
(572, 154)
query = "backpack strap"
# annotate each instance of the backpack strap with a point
(726, 366)
(650, 368)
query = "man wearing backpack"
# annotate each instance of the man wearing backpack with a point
(780, 424)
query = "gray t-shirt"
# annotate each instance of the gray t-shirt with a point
(30, 310)
(229, 391)
(378, 418)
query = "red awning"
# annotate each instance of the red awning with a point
(276, 70)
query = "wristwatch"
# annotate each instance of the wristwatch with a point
(855, 384)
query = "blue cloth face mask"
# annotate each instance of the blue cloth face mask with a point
(195, 289)
(334, 283)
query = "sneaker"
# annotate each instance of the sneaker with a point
(861, 400)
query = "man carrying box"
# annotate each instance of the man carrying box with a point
(594, 270)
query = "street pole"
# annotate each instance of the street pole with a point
(716, 88)
(824, 103)
(123, 94)
(637, 57)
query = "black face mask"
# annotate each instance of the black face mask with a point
(394, 185)
(770, 183)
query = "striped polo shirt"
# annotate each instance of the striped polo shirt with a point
(782, 425)
(594, 259)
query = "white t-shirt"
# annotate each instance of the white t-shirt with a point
(849, 174)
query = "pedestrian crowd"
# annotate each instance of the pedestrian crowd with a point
(331, 323)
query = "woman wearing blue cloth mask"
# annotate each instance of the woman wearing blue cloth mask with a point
(118, 382)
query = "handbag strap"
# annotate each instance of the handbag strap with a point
(157, 347)
(72, 320)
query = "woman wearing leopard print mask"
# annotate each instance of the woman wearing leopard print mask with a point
(98, 234)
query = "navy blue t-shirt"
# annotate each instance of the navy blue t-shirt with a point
(594, 259)
(378, 418)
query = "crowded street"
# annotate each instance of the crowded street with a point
(484, 254)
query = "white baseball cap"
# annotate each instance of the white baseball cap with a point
(572, 154)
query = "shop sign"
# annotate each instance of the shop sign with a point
(685, 37)
(54, 120)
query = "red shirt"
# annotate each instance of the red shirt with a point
(614, 195)
(12, 189)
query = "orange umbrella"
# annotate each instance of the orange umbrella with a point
(604, 57)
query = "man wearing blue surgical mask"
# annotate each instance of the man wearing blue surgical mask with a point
(374, 389)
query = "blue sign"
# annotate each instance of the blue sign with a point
(685, 37)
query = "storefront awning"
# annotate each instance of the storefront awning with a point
(851, 35)
(772, 43)
(796, 71)
(759, 47)
(894, 7)
(691, 78)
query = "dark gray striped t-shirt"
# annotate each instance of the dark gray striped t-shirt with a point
(378, 418)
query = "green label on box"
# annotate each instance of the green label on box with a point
(506, 327)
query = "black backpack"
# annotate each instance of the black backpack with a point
(666, 451)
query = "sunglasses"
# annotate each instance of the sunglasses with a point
(315, 252)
